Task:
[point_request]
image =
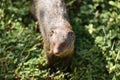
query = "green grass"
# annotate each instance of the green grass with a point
(97, 47)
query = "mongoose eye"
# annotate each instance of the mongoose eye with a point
(51, 33)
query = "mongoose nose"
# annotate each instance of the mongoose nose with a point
(56, 51)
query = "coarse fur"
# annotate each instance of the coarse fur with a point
(56, 31)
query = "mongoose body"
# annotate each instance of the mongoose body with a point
(57, 33)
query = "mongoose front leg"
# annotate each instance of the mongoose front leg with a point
(68, 63)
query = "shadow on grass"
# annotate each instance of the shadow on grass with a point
(88, 62)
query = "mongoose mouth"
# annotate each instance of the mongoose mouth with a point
(59, 53)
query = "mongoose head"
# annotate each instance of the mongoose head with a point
(62, 41)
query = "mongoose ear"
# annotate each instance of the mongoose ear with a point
(71, 35)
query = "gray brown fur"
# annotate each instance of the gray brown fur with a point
(56, 31)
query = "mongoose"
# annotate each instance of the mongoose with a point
(57, 33)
